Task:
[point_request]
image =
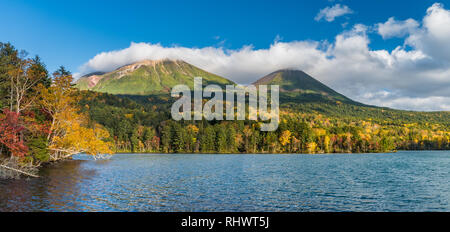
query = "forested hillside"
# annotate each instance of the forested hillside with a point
(314, 119)
(143, 124)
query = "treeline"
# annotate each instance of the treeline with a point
(40, 120)
(140, 125)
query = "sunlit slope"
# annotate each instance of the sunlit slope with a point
(148, 77)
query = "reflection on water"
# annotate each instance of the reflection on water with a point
(406, 181)
(56, 190)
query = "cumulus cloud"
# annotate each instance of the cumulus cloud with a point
(433, 38)
(414, 76)
(394, 28)
(330, 13)
(244, 65)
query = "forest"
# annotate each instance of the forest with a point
(143, 124)
(45, 119)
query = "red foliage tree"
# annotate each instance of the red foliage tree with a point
(10, 129)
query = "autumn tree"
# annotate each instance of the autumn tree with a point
(68, 133)
(10, 129)
(285, 138)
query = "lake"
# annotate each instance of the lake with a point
(403, 181)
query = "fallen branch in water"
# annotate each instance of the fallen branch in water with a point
(16, 170)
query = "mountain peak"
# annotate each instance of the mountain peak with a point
(148, 77)
(298, 83)
(148, 62)
(292, 80)
(288, 70)
(282, 74)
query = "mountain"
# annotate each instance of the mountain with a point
(297, 86)
(157, 77)
(148, 77)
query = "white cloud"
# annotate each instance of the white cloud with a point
(425, 103)
(330, 13)
(416, 78)
(394, 28)
(433, 38)
(243, 65)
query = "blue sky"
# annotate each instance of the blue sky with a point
(71, 32)
(384, 59)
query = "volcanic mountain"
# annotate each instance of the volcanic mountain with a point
(148, 77)
(297, 86)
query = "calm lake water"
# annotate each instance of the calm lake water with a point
(403, 181)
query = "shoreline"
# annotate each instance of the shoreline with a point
(337, 153)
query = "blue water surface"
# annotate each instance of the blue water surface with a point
(402, 181)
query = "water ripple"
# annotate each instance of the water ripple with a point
(405, 181)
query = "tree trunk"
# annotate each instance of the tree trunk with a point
(19, 171)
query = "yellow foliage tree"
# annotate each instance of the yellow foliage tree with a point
(68, 133)
(311, 147)
(285, 137)
(326, 144)
(193, 130)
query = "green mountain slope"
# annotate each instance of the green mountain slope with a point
(148, 77)
(297, 86)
